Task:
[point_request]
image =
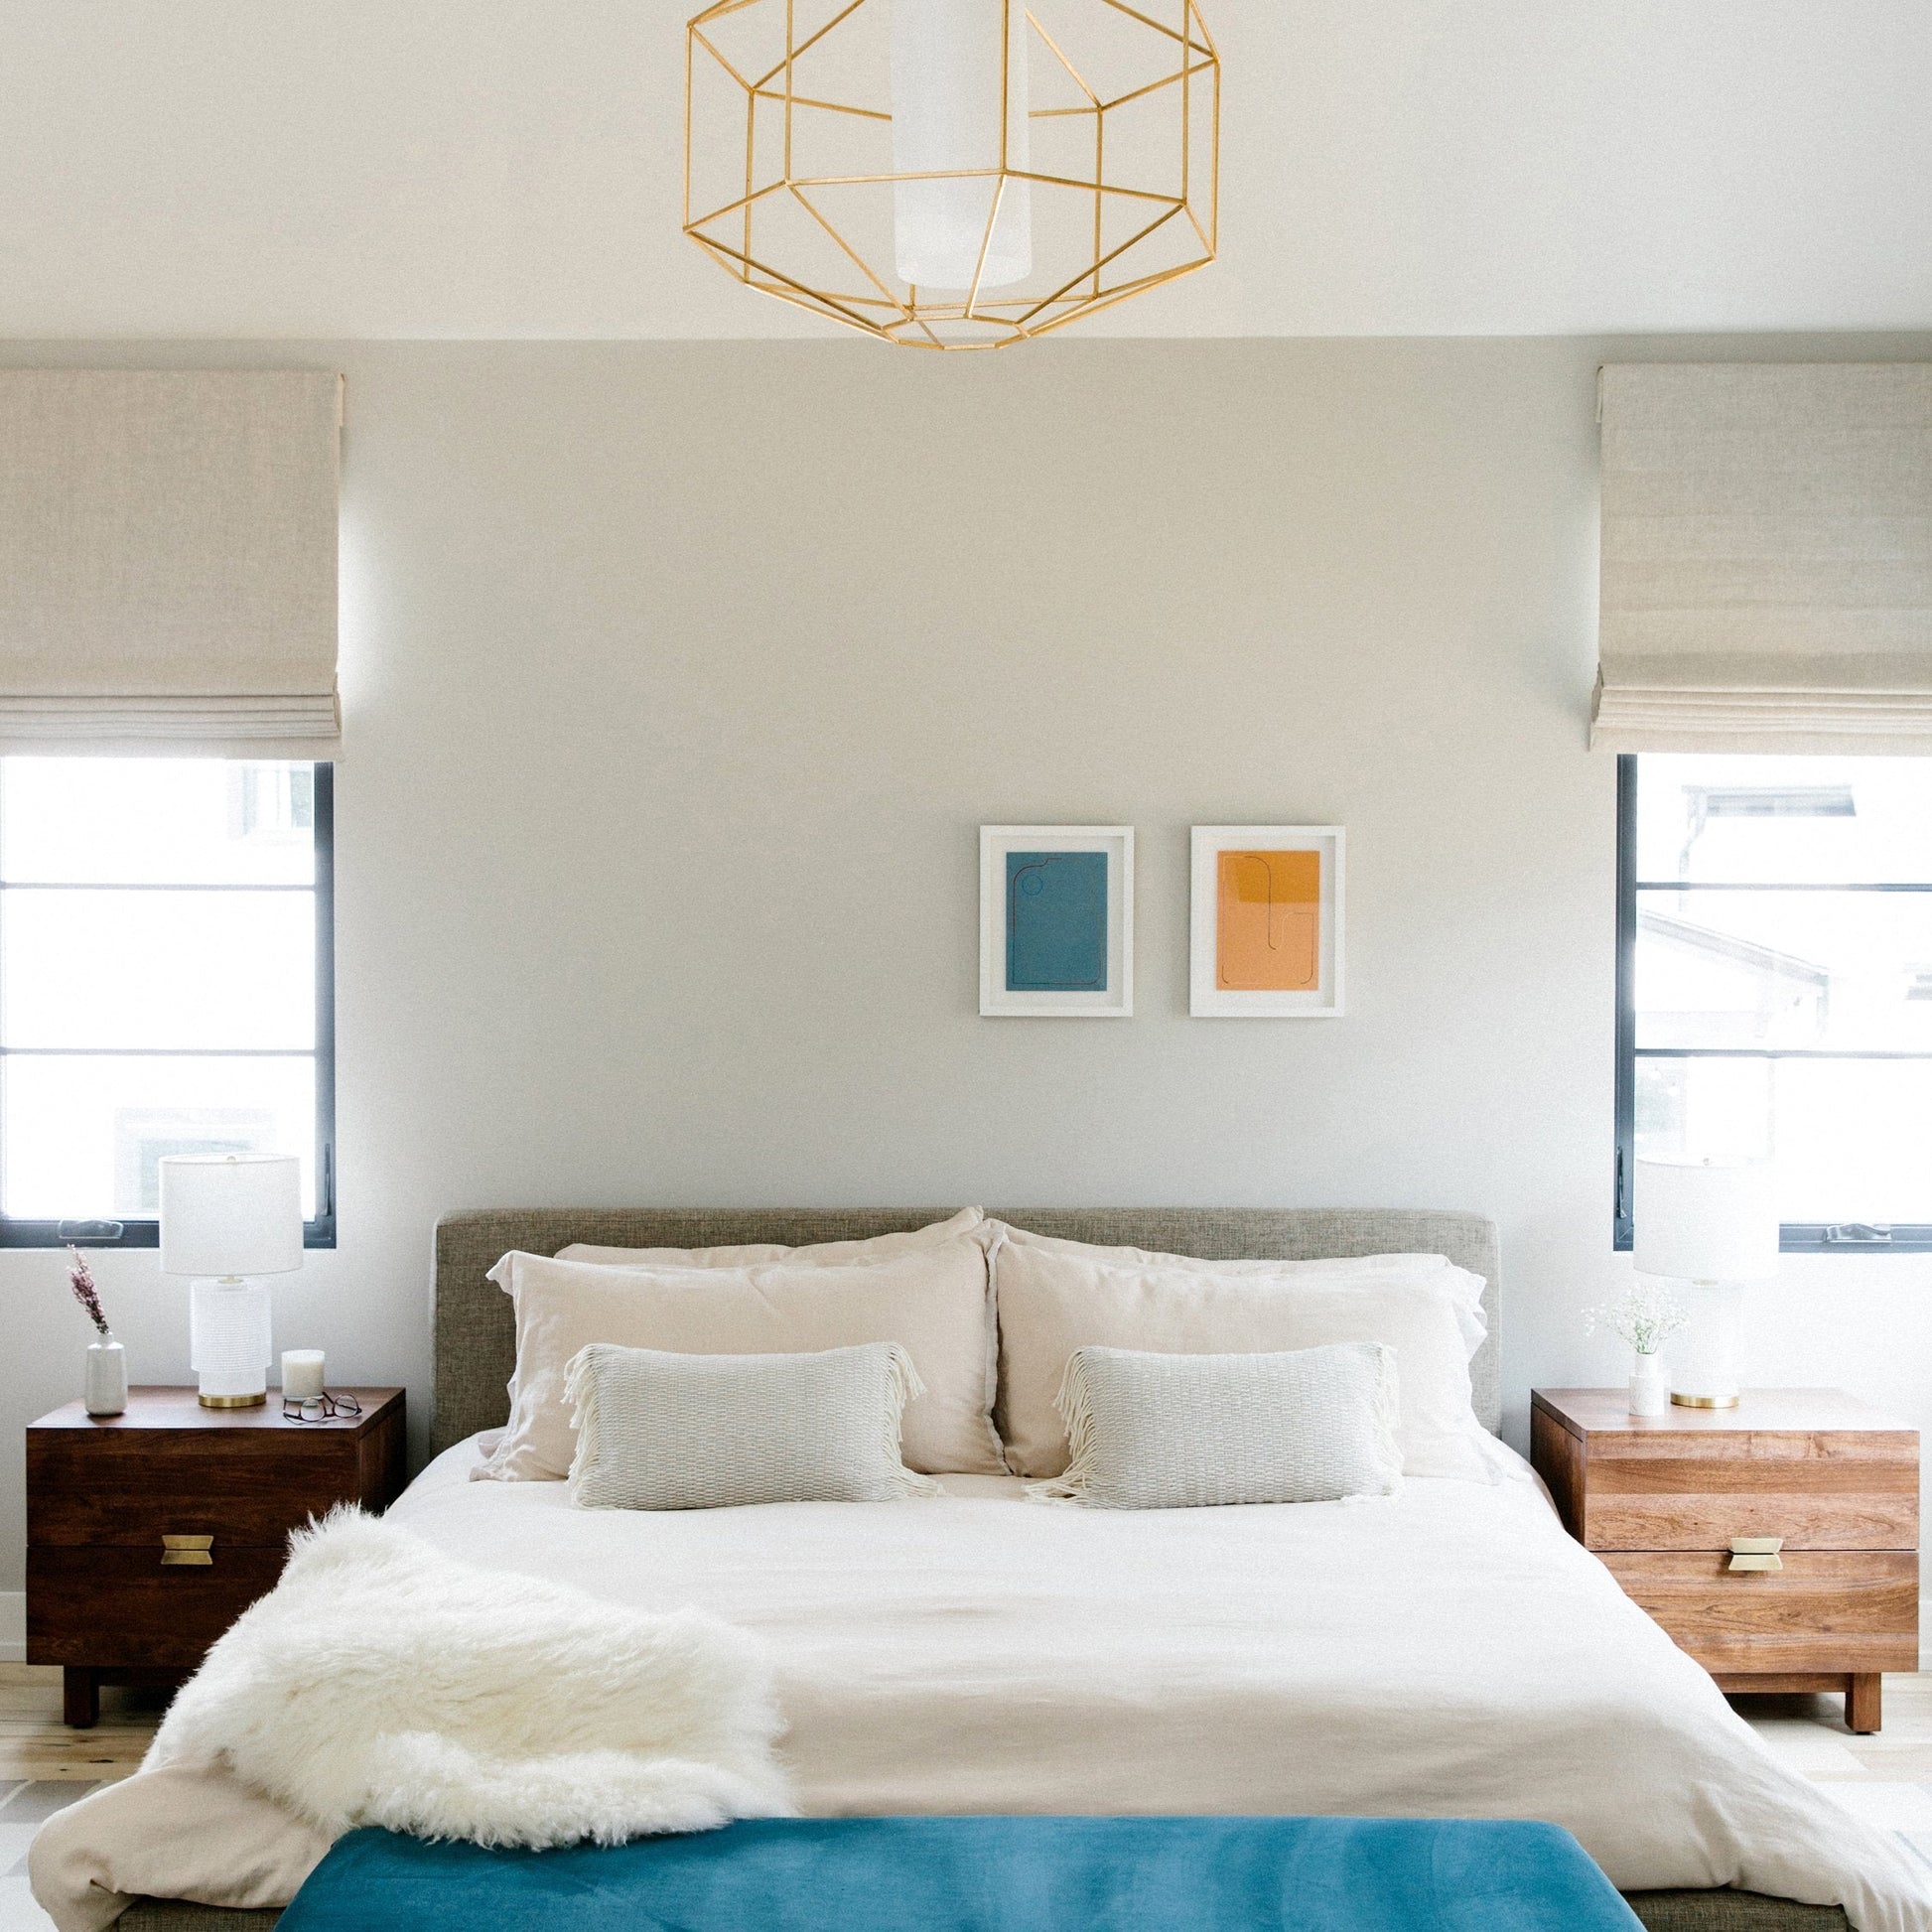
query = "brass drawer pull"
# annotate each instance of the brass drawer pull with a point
(1756, 1553)
(187, 1549)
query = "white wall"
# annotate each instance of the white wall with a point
(679, 676)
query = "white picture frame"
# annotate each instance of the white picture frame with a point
(1319, 914)
(1068, 936)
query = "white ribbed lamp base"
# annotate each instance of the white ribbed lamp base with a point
(1706, 1358)
(229, 1341)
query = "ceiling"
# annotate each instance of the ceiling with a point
(511, 168)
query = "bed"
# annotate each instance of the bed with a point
(980, 1653)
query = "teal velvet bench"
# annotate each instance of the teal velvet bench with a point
(982, 1874)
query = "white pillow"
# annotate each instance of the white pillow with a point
(820, 1254)
(1052, 1301)
(720, 1431)
(1193, 1431)
(935, 1301)
(1465, 1288)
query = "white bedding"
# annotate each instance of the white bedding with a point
(1447, 1652)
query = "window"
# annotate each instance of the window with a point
(1774, 984)
(166, 984)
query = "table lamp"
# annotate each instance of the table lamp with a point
(1714, 1227)
(224, 1219)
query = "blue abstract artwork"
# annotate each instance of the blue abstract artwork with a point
(1056, 921)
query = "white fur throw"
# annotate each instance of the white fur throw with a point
(382, 1682)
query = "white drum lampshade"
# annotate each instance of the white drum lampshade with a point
(226, 1219)
(1716, 1227)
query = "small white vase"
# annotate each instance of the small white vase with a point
(1649, 1386)
(106, 1378)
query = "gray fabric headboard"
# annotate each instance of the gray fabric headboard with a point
(476, 1340)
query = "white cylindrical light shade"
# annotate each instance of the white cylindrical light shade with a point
(230, 1215)
(1706, 1222)
(959, 71)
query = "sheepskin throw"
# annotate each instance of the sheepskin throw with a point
(382, 1682)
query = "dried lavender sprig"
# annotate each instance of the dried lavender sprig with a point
(81, 1279)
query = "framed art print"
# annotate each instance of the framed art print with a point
(1056, 921)
(1267, 921)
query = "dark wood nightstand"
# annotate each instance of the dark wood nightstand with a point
(149, 1533)
(1777, 1542)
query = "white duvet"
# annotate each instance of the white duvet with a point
(1447, 1652)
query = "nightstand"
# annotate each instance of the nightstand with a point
(1778, 1542)
(149, 1533)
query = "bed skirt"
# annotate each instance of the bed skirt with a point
(1661, 1911)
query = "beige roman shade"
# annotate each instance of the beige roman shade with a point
(168, 561)
(1766, 558)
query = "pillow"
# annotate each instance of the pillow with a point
(716, 1431)
(1190, 1432)
(822, 1254)
(1052, 1303)
(935, 1301)
(1467, 1287)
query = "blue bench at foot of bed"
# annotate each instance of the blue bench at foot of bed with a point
(982, 1874)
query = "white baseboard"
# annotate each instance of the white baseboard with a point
(13, 1626)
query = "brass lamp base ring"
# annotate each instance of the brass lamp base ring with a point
(1705, 1401)
(233, 1401)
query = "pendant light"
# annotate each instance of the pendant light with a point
(952, 174)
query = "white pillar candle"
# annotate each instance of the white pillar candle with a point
(302, 1373)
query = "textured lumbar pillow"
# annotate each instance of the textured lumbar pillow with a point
(656, 1431)
(1188, 1431)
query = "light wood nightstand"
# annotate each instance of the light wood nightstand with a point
(1777, 1542)
(149, 1533)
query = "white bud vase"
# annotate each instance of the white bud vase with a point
(1649, 1386)
(106, 1378)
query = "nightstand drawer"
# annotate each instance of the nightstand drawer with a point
(1817, 1491)
(136, 1488)
(1823, 1610)
(123, 1607)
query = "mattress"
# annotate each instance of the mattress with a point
(1448, 1652)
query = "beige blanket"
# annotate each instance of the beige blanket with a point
(1448, 1652)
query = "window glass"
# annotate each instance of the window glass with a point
(83, 1133)
(152, 969)
(1850, 1137)
(158, 924)
(1820, 971)
(1776, 995)
(1784, 821)
(156, 821)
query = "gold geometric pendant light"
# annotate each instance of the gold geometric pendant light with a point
(952, 174)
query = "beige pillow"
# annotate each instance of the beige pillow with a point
(1464, 1287)
(821, 1254)
(935, 1301)
(1052, 1301)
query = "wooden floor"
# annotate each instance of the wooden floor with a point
(35, 1746)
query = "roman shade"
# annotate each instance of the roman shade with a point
(1766, 558)
(168, 561)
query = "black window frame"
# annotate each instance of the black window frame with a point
(1794, 1237)
(320, 1230)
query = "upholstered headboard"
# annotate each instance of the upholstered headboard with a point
(475, 1343)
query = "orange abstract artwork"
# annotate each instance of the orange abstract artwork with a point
(1269, 923)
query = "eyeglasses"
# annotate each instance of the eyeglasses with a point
(319, 1408)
